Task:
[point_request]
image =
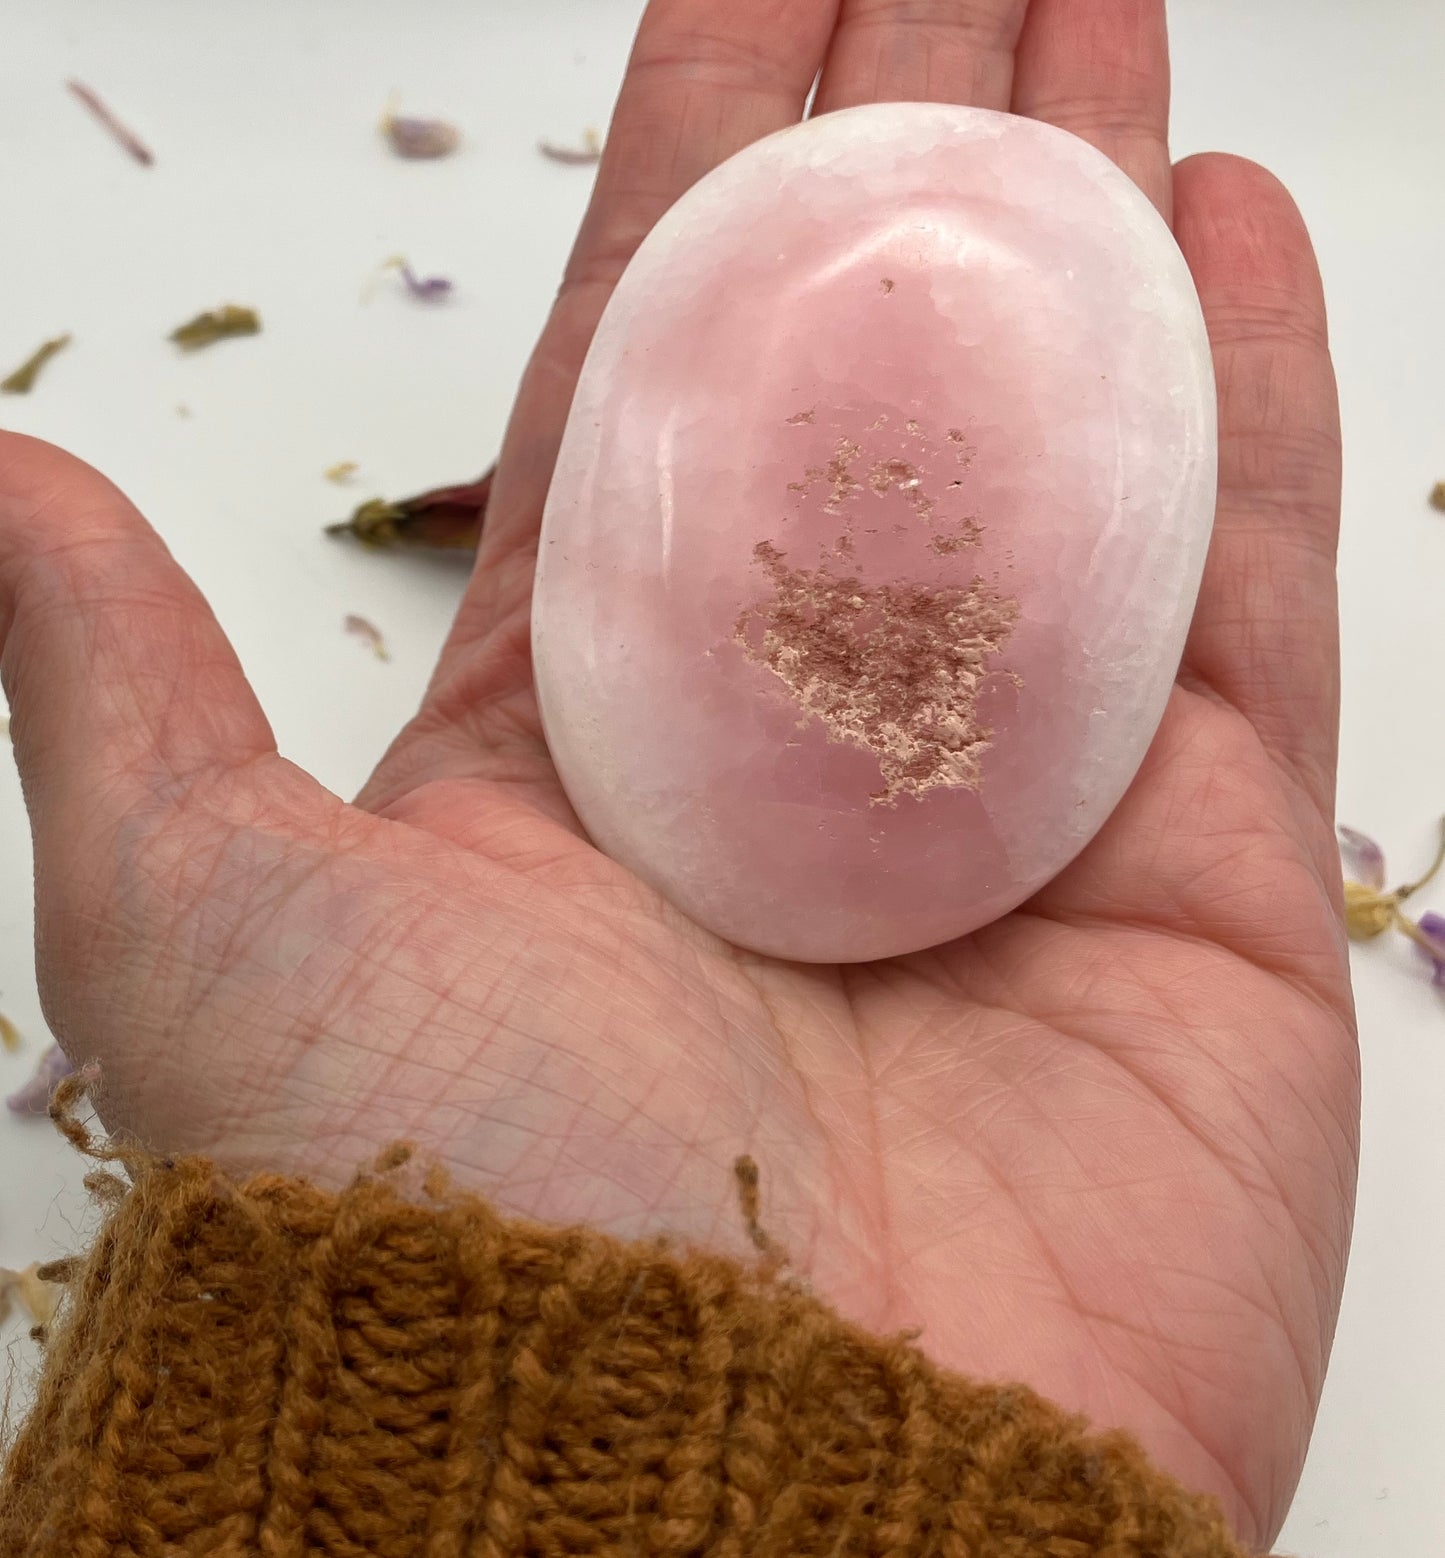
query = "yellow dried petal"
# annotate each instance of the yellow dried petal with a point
(38, 1297)
(1367, 912)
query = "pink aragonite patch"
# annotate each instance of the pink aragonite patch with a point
(876, 529)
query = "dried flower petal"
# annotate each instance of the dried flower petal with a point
(34, 1096)
(216, 324)
(1429, 937)
(341, 472)
(369, 633)
(22, 381)
(430, 289)
(38, 1297)
(589, 151)
(1363, 857)
(124, 136)
(1367, 912)
(416, 138)
(443, 517)
(1437, 495)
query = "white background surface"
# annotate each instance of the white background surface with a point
(272, 188)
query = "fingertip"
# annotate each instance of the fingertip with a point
(36, 476)
(111, 659)
(1100, 70)
(1243, 233)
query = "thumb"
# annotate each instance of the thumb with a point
(125, 695)
(115, 668)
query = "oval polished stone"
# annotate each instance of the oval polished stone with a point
(876, 529)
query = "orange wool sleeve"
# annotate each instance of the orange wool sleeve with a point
(267, 1368)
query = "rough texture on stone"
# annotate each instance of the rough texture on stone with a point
(876, 529)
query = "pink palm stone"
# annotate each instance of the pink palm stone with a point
(876, 529)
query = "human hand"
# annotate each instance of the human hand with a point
(1105, 1145)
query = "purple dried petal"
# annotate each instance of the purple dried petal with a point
(421, 138)
(430, 289)
(1431, 927)
(34, 1096)
(1364, 859)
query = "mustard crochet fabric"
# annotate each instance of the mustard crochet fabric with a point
(264, 1368)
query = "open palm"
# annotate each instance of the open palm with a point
(1105, 1145)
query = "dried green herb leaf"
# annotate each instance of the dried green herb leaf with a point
(443, 517)
(341, 472)
(216, 325)
(9, 1034)
(1437, 496)
(22, 381)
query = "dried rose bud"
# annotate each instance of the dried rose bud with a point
(417, 139)
(442, 517)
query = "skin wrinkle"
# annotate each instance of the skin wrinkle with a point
(429, 1022)
(1217, 1458)
(1210, 1148)
(927, 49)
(1096, 1320)
(1310, 1377)
(832, 1169)
(1085, 922)
(886, 1086)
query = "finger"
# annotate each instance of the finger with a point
(921, 51)
(1100, 69)
(123, 690)
(703, 81)
(1265, 634)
